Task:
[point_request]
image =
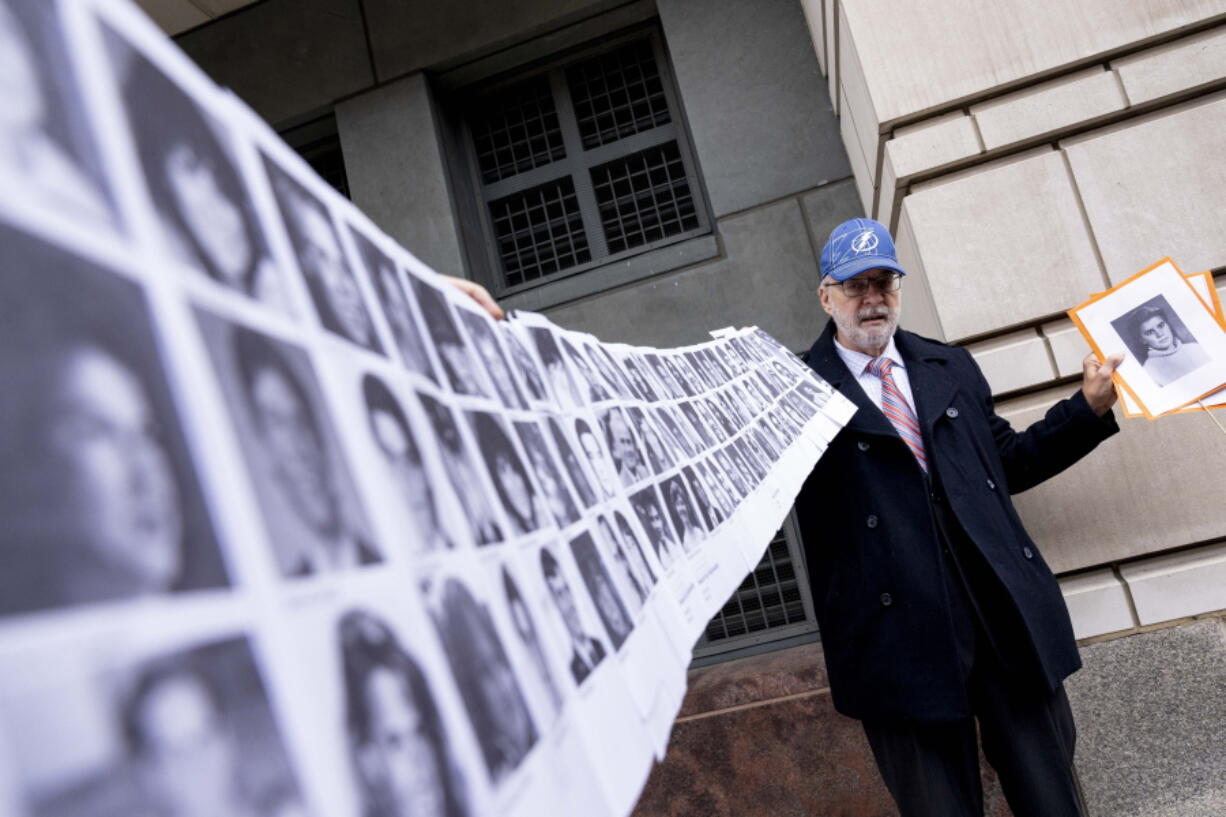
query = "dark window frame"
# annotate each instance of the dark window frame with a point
(479, 236)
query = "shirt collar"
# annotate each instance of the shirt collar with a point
(857, 362)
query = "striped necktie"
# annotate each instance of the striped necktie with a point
(894, 407)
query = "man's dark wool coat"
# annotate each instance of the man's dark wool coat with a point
(875, 556)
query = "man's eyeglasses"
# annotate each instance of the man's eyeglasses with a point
(855, 287)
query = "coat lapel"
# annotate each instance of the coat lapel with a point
(931, 385)
(823, 359)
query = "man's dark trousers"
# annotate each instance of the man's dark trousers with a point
(1028, 735)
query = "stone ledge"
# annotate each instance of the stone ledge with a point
(1180, 67)
(1074, 99)
(1097, 603)
(1183, 584)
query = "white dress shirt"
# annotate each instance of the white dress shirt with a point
(857, 364)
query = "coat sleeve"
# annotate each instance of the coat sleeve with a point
(1068, 432)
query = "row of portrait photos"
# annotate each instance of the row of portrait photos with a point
(288, 526)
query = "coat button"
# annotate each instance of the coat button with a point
(863, 446)
(1028, 553)
(871, 521)
(951, 412)
(886, 600)
(991, 485)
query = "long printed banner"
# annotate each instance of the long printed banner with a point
(288, 525)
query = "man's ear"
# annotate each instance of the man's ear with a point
(823, 294)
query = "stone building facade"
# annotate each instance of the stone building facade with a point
(1025, 153)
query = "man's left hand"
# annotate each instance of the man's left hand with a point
(1096, 383)
(478, 293)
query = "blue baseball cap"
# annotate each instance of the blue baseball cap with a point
(857, 245)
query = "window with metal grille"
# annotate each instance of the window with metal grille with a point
(772, 603)
(319, 143)
(580, 162)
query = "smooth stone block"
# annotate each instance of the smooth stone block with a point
(926, 146)
(1003, 244)
(817, 31)
(768, 278)
(1174, 68)
(917, 57)
(753, 94)
(1152, 487)
(1150, 711)
(395, 168)
(860, 169)
(1097, 603)
(1068, 346)
(1152, 187)
(1069, 100)
(1013, 361)
(1182, 584)
(919, 312)
(856, 101)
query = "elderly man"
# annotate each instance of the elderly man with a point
(936, 609)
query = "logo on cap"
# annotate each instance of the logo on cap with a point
(864, 242)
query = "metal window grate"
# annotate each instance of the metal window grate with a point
(539, 231)
(520, 133)
(617, 94)
(644, 197)
(770, 597)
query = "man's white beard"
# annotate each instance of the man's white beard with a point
(865, 338)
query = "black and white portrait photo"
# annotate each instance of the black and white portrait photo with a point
(317, 248)
(99, 497)
(548, 476)
(565, 391)
(311, 510)
(626, 455)
(394, 297)
(397, 442)
(593, 451)
(664, 374)
(657, 455)
(646, 504)
(204, 208)
(681, 510)
(707, 512)
(184, 734)
(607, 365)
(570, 461)
(597, 392)
(399, 748)
(633, 586)
(46, 150)
(462, 473)
(704, 437)
(632, 543)
(1160, 341)
(738, 478)
(457, 359)
(636, 368)
(523, 503)
(679, 429)
(488, 686)
(720, 492)
(485, 341)
(530, 640)
(586, 650)
(743, 455)
(599, 585)
(528, 369)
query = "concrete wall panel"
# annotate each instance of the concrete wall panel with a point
(286, 57)
(1097, 603)
(752, 92)
(1004, 244)
(1179, 584)
(395, 169)
(1149, 488)
(1155, 187)
(408, 35)
(767, 278)
(1014, 361)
